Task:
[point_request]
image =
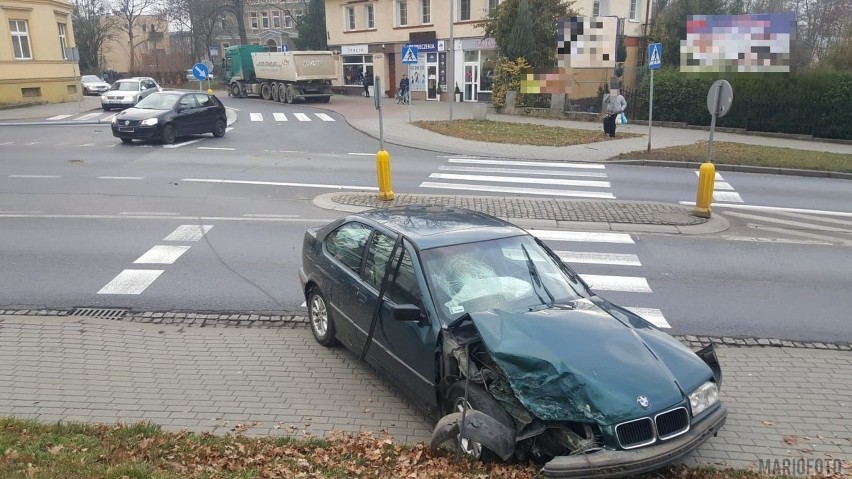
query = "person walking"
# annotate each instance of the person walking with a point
(614, 105)
(402, 97)
(367, 81)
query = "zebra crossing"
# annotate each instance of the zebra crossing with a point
(792, 224)
(491, 175)
(276, 117)
(723, 192)
(607, 263)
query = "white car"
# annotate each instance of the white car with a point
(93, 85)
(191, 77)
(127, 92)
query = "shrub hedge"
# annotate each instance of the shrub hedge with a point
(817, 103)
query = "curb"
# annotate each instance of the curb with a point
(297, 320)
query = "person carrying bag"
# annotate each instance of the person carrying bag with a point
(614, 106)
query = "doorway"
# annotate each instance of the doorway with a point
(471, 81)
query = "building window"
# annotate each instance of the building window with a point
(276, 19)
(355, 67)
(464, 10)
(596, 8)
(425, 11)
(299, 14)
(63, 44)
(20, 39)
(634, 7)
(288, 21)
(32, 92)
(369, 12)
(401, 13)
(492, 5)
(264, 20)
(350, 18)
(253, 20)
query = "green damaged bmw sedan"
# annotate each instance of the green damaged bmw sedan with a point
(518, 359)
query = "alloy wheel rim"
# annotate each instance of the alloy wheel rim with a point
(468, 446)
(319, 316)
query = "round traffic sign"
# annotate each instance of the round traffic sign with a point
(200, 71)
(719, 98)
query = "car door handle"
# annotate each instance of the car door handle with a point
(361, 297)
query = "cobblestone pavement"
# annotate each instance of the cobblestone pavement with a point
(784, 403)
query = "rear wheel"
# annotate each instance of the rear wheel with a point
(480, 400)
(322, 325)
(282, 92)
(291, 96)
(265, 91)
(169, 135)
(274, 91)
(219, 128)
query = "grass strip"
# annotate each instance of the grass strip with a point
(517, 133)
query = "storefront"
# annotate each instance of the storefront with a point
(429, 75)
(475, 65)
(357, 63)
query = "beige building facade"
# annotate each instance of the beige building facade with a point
(35, 60)
(371, 37)
(152, 46)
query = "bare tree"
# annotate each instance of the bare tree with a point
(91, 31)
(200, 17)
(238, 10)
(821, 22)
(128, 13)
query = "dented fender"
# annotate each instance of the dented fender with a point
(479, 427)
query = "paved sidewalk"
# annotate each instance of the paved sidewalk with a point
(784, 403)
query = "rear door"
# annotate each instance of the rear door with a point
(208, 113)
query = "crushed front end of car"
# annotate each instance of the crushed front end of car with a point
(586, 393)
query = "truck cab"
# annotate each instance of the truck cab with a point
(238, 67)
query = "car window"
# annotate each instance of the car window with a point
(188, 102)
(378, 255)
(204, 100)
(125, 86)
(348, 243)
(402, 285)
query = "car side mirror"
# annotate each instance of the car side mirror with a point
(407, 313)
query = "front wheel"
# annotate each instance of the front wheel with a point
(480, 400)
(219, 128)
(169, 135)
(236, 90)
(322, 325)
(325, 99)
(127, 141)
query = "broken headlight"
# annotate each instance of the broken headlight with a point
(702, 398)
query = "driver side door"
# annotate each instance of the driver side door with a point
(188, 115)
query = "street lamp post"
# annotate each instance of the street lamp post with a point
(451, 67)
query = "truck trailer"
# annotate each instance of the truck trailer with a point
(279, 76)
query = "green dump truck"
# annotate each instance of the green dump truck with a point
(279, 76)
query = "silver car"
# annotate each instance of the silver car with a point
(93, 85)
(127, 92)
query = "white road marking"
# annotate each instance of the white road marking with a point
(477, 169)
(162, 254)
(279, 116)
(121, 177)
(797, 224)
(628, 284)
(148, 213)
(108, 119)
(85, 144)
(652, 315)
(188, 233)
(178, 145)
(722, 185)
(823, 238)
(6, 143)
(275, 183)
(304, 304)
(324, 117)
(32, 143)
(302, 117)
(215, 148)
(11, 212)
(779, 209)
(717, 177)
(229, 128)
(88, 116)
(812, 218)
(59, 117)
(265, 215)
(598, 258)
(582, 236)
(34, 176)
(525, 191)
(591, 166)
(131, 281)
(512, 179)
(731, 196)
(362, 154)
(256, 116)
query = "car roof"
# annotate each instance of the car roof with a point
(432, 226)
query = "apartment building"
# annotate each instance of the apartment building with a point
(35, 57)
(370, 36)
(268, 22)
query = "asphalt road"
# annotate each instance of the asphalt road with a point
(78, 210)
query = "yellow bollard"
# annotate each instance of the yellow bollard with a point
(706, 179)
(384, 175)
(209, 91)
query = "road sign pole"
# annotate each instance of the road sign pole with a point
(650, 110)
(713, 122)
(451, 60)
(409, 94)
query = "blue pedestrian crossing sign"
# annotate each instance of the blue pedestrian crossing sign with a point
(200, 71)
(655, 56)
(409, 55)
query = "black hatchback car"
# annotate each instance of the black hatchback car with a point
(517, 356)
(165, 116)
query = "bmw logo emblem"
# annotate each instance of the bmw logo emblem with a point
(126, 122)
(643, 402)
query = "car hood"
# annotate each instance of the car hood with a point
(581, 364)
(139, 114)
(122, 93)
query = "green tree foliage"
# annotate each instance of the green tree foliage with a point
(544, 16)
(507, 77)
(312, 32)
(521, 42)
